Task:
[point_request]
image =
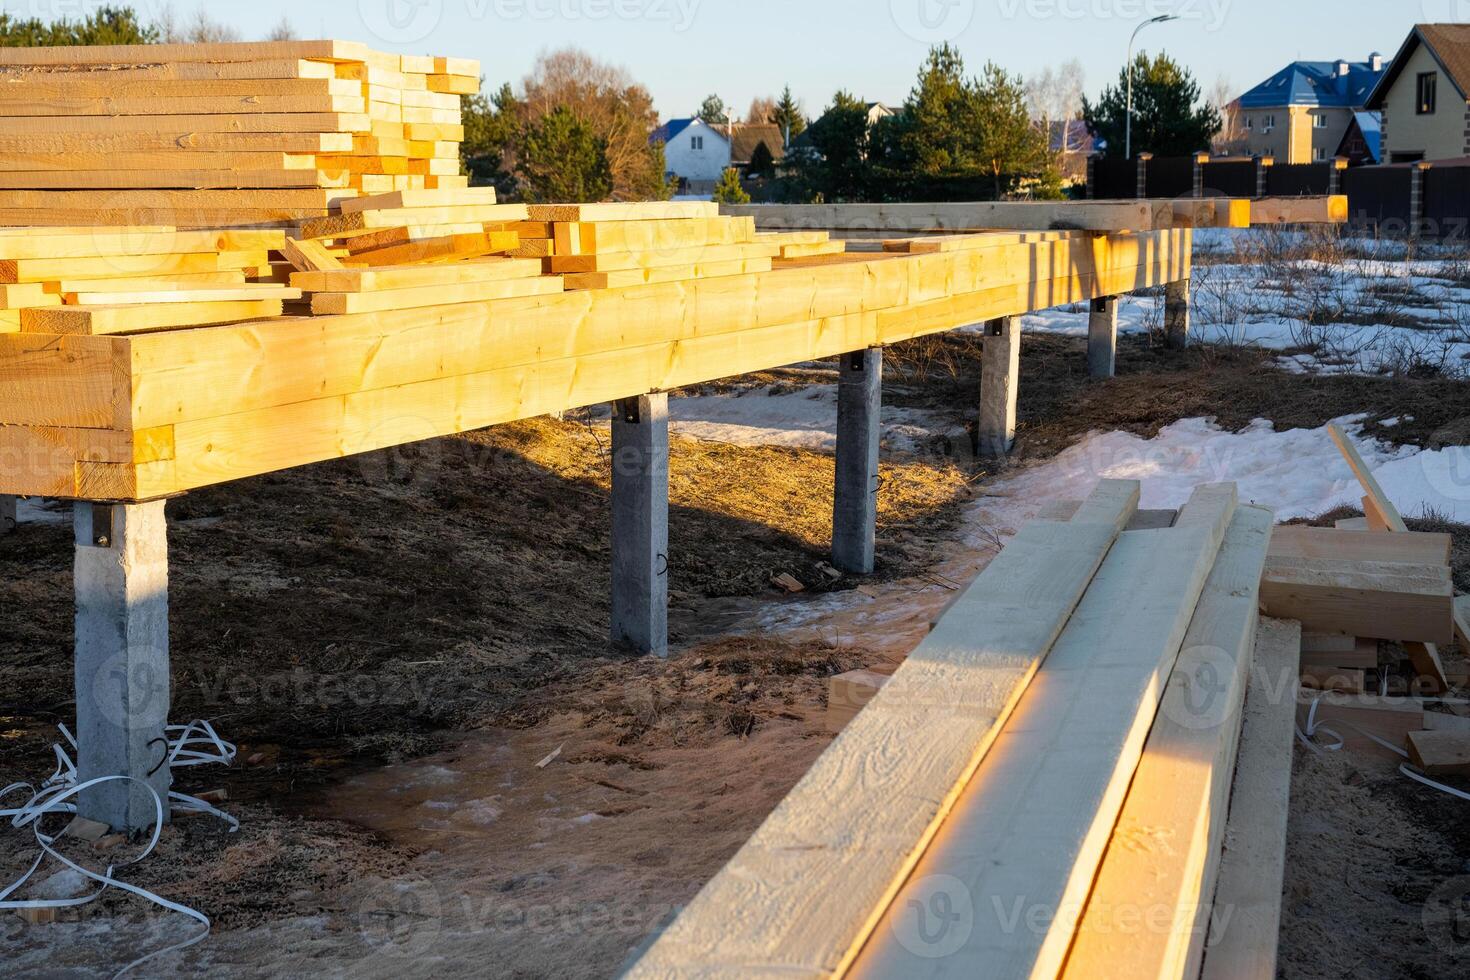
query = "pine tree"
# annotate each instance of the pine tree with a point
(491, 131)
(840, 138)
(1169, 118)
(788, 115)
(762, 162)
(729, 191)
(562, 160)
(106, 25)
(1010, 145)
(713, 111)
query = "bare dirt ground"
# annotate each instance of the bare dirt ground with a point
(397, 641)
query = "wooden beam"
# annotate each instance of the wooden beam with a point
(1322, 210)
(813, 880)
(976, 216)
(1165, 848)
(1029, 830)
(1411, 548)
(1440, 753)
(1385, 600)
(1253, 864)
(1380, 500)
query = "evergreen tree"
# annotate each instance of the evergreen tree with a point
(106, 25)
(728, 190)
(713, 111)
(762, 162)
(788, 115)
(1009, 144)
(1169, 118)
(939, 134)
(491, 130)
(840, 138)
(562, 160)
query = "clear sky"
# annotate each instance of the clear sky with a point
(683, 50)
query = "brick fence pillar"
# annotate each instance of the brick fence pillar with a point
(1263, 166)
(1143, 159)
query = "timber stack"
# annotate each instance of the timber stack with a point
(221, 134)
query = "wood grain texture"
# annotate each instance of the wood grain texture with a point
(1161, 861)
(811, 883)
(1023, 844)
(1253, 862)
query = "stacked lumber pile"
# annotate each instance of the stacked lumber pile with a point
(1364, 591)
(607, 246)
(1046, 749)
(115, 280)
(216, 135)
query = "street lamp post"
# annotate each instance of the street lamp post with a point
(1128, 124)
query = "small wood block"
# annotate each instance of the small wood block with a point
(1329, 650)
(1345, 681)
(1440, 753)
(848, 693)
(1353, 524)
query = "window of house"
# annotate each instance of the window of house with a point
(1268, 122)
(1247, 123)
(696, 142)
(1318, 154)
(1319, 121)
(1427, 84)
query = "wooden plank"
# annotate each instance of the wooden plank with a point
(160, 104)
(1354, 717)
(1165, 848)
(1030, 828)
(1413, 548)
(260, 122)
(185, 280)
(106, 266)
(344, 225)
(1341, 679)
(244, 291)
(58, 381)
(433, 295)
(175, 71)
(814, 878)
(49, 243)
(182, 202)
(1384, 600)
(17, 296)
(446, 248)
(1440, 753)
(1364, 473)
(642, 211)
(973, 216)
(624, 278)
(1253, 863)
(35, 87)
(200, 179)
(408, 276)
(109, 55)
(660, 258)
(590, 237)
(82, 320)
(160, 160)
(1462, 624)
(144, 141)
(1327, 650)
(308, 256)
(1321, 210)
(475, 196)
(848, 693)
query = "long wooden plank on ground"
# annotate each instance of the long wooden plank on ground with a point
(1243, 947)
(153, 54)
(1385, 600)
(1030, 828)
(123, 319)
(811, 883)
(1165, 848)
(1410, 548)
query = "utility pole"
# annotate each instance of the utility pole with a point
(1128, 124)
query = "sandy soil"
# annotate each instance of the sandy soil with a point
(399, 641)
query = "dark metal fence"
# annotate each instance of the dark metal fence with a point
(1170, 177)
(1378, 199)
(1115, 178)
(1297, 179)
(1446, 213)
(1230, 178)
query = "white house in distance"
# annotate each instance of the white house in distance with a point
(695, 152)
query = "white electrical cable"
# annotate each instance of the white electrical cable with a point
(1312, 728)
(194, 744)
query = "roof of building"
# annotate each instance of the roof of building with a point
(1450, 46)
(671, 129)
(750, 135)
(1318, 83)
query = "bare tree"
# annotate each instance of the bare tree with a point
(762, 110)
(606, 97)
(1071, 77)
(1232, 136)
(200, 28)
(283, 31)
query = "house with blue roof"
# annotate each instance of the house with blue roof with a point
(1301, 113)
(695, 152)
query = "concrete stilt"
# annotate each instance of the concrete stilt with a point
(640, 523)
(7, 513)
(1176, 315)
(122, 669)
(855, 498)
(1000, 377)
(1102, 337)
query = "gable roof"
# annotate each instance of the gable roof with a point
(1367, 126)
(670, 130)
(1449, 44)
(750, 135)
(1315, 83)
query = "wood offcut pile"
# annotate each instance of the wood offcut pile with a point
(1100, 730)
(218, 135)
